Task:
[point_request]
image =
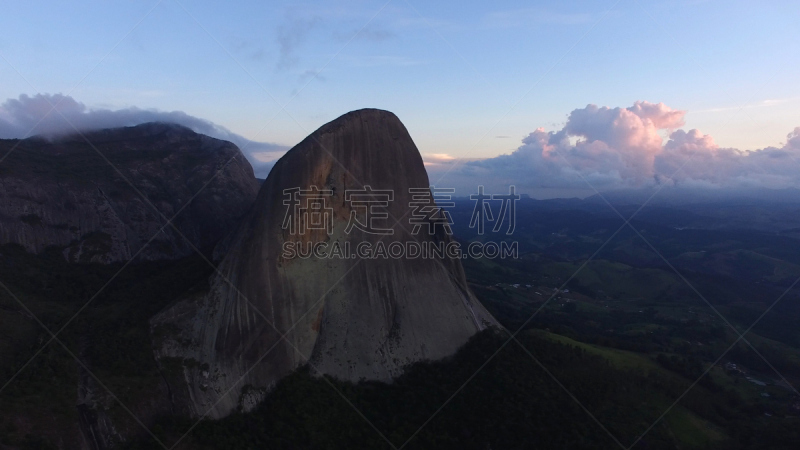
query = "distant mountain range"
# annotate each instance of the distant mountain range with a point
(683, 195)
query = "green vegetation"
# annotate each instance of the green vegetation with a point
(511, 403)
(111, 336)
(628, 337)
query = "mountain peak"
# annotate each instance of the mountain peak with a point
(355, 317)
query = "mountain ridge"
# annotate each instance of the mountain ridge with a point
(63, 193)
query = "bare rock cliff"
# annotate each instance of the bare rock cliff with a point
(266, 312)
(63, 194)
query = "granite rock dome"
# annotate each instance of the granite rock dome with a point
(267, 311)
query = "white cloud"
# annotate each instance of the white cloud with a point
(33, 115)
(432, 159)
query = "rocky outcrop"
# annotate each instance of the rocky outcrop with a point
(269, 311)
(63, 194)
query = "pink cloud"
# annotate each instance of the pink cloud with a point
(625, 147)
(437, 158)
(628, 136)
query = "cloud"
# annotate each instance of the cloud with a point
(613, 148)
(435, 159)
(311, 74)
(31, 115)
(770, 167)
(291, 36)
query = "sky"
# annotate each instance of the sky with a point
(484, 88)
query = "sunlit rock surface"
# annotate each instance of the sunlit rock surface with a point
(265, 313)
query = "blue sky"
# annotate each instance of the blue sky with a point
(469, 79)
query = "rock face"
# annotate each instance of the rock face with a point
(63, 194)
(268, 312)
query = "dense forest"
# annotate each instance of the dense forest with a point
(595, 361)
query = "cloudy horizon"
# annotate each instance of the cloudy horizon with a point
(599, 148)
(469, 82)
(612, 148)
